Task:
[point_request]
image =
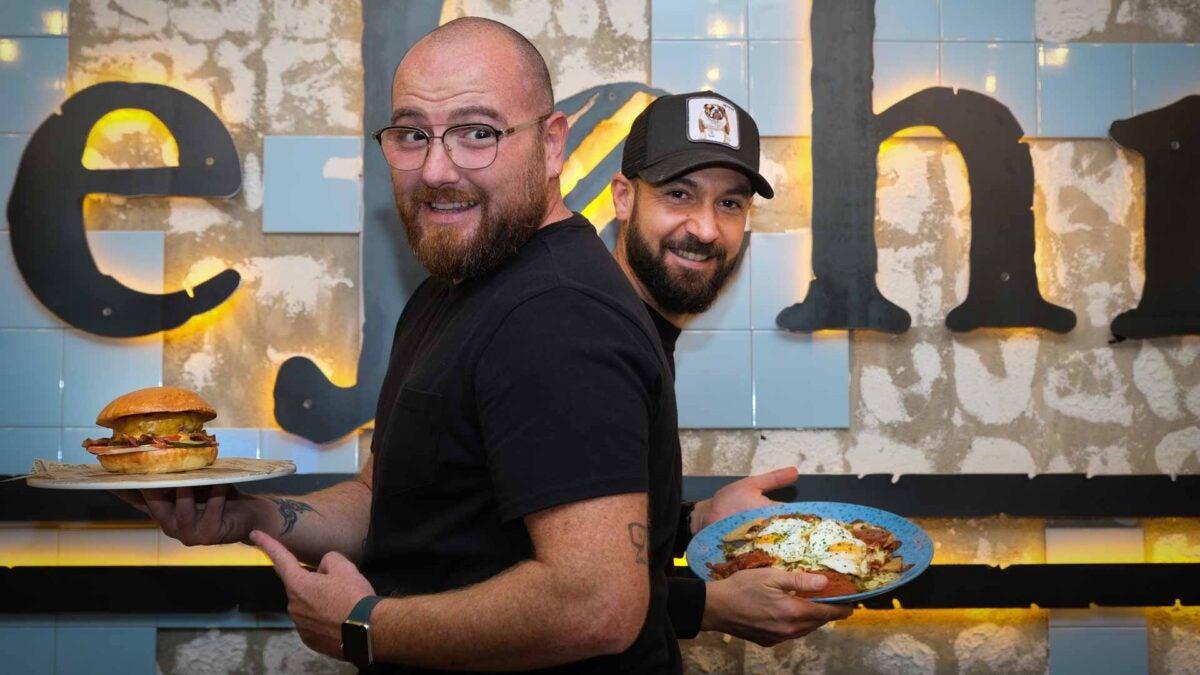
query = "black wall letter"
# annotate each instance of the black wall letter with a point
(1169, 139)
(45, 211)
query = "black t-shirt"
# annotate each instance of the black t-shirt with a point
(539, 384)
(685, 593)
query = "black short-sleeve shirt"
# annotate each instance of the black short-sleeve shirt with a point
(539, 384)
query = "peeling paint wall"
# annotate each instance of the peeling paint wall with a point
(278, 67)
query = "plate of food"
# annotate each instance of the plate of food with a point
(863, 551)
(158, 440)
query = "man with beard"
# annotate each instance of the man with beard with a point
(519, 504)
(683, 197)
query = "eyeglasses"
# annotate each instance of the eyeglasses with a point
(469, 146)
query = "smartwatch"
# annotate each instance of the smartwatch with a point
(356, 633)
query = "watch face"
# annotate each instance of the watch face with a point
(356, 643)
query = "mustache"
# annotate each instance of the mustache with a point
(688, 243)
(425, 193)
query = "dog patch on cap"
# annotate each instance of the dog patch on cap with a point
(711, 120)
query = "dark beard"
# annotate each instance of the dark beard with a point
(500, 234)
(678, 291)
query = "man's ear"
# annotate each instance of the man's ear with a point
(557, 130)
(622, 195)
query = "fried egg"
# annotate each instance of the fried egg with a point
(835, 547)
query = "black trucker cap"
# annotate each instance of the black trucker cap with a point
(680, 133)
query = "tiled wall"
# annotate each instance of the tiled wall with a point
(54, 379)
(756, 52)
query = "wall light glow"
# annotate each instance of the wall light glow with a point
(718, 27)
(9, 51)
(604, 137)
(55, 22)
(1055, 56)
(713, 74)
(989, 84)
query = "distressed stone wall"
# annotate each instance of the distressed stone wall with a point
(266, 67)
(927, 400)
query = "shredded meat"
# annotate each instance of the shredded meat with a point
(746, 561)
(839, 584)
(98, 445)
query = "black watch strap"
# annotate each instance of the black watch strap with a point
(362, 611)
(356, 633)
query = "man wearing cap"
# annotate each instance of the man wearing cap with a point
(688, 174)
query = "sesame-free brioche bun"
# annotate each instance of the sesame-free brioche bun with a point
(159, 460)
(155, 400)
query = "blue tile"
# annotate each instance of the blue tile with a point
(731, 311)
(72, 443)
(801, 380)
(779, 19)
(1163, 74)
(1098, 651)
(12, 146)
(780, 270)
(31, 364)
(697, 19)
(682, 67)
(713, 386)
(106, 651)
(114, 249)
(19, 307)
(1082, 88)
(20, 446)
(913, 20)
(81, 620)
(779, 88)
(98, 369)
(903, 69)
(236, 442)
(338, 457)
(33, 17)
(33, 75)
(988, 20)
(29, 651)
(312, 184)
(1006, 71)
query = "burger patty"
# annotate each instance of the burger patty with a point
(118, 440)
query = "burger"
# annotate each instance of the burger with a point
(155, 430)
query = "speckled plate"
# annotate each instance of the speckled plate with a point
(915, 548)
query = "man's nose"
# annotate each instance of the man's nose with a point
(438, 168)
(702, 224)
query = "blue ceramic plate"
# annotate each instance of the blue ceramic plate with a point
(916, 549)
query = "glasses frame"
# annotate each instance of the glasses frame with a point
(500, 134)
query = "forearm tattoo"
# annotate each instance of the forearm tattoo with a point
(291, 509)
(637, 537)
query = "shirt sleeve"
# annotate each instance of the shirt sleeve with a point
(685, 605)
(565, 390)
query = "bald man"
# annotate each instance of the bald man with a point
(523, 490)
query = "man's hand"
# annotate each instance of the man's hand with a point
(219, 517)
(741, 495)
(758, 605)
(317, 601)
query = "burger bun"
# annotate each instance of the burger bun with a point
(158, 460)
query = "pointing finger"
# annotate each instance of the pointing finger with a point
(286, 565)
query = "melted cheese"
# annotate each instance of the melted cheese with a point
(159, 424)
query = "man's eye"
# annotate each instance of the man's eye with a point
(477, 133)
(411, 136)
